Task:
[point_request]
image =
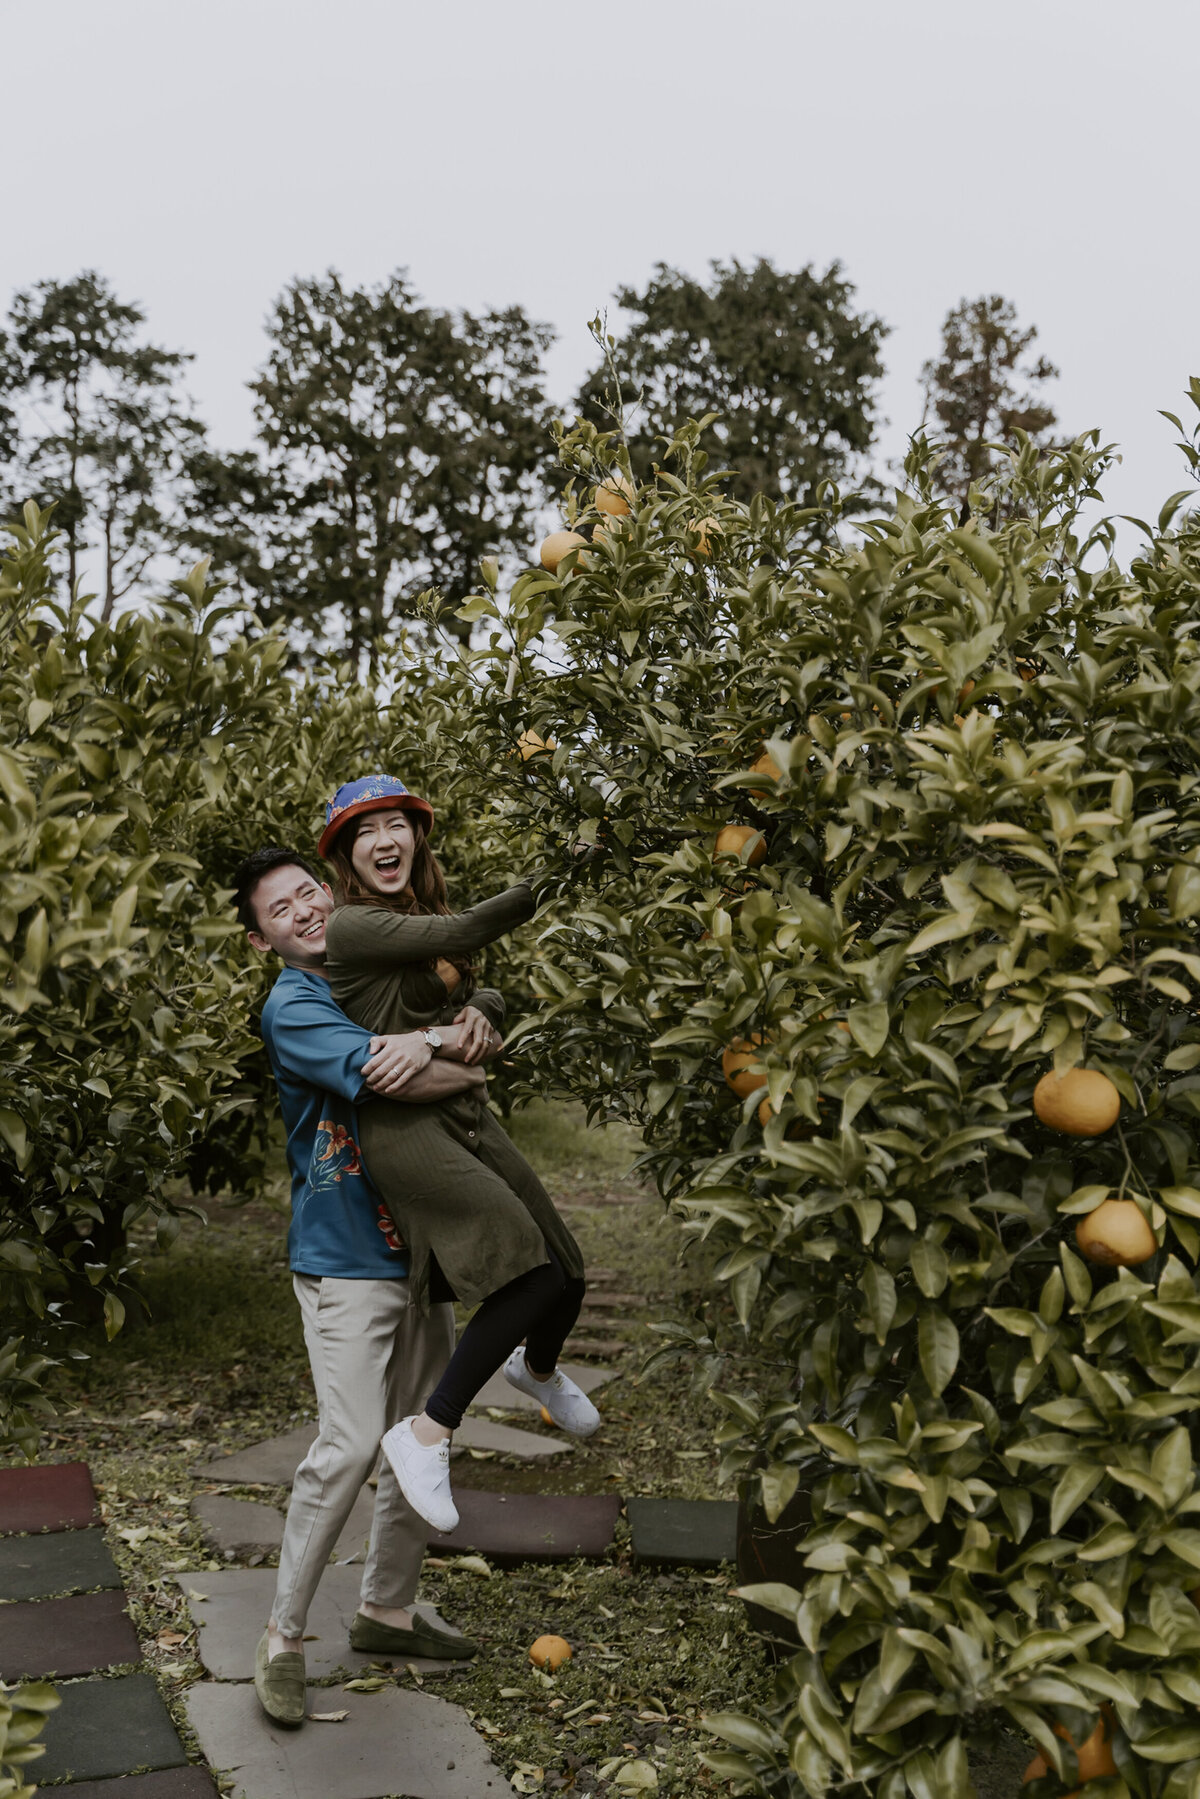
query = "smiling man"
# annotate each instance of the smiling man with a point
(373, 1357)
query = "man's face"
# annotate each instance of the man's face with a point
(291, 909)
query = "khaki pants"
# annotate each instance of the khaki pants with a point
(374, 1361)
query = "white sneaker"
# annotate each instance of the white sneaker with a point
(567, 1404)
(422, 1474)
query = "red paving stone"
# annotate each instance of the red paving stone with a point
(523, 1527)
(57, 1496)
(65, 1636)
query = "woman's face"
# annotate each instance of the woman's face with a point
(382, 852)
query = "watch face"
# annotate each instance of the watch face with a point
(433, 1040)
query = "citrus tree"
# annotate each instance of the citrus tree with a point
(139, 761)
(889, 949)
(124, 1010)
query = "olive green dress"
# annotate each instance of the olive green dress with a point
(457, 1188)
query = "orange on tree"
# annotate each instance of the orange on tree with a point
(735, 1061)
(1094, 1754)
(558, 545)
(615, 495)
(1116, 1234)
(732, 839)
(800, 1129)
(1082, 1103)
(705, 529)
(766, 765)
(530, 744)
(549, 1653)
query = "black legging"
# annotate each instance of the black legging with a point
(541, 1305)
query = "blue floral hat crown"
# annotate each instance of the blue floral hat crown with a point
(372, 794)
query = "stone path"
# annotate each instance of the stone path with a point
(394, 1742)
(229, 1607)
(62, 1613)
(671, 1533)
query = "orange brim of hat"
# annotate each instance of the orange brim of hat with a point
(391, 802)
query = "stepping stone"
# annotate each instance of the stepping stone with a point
(485, 1433)
(105, 1727)
(235, 1606)
(519, 1527)
(497, 1392)
(274, 1463)
(696, 1533)
(169, 1783)
(65, 1637)
(62, 1561)
(238, 1525)
(58, 1496)
(394, 1741)
(270, 1464)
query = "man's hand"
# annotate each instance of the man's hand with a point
(394, 1060)
(476, 1038)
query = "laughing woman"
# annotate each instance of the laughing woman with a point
(479, 1225)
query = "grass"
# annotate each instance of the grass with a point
(220, 1364)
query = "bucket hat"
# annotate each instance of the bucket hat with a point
(374, 793)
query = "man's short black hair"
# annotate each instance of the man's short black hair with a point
(257, 864)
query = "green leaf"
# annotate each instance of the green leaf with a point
(1074, 1487)
(869, 1027)
(938, 1347)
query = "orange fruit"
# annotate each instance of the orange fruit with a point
(1115, 1234)
(530, 744)
(615, 495)
(731, 840)
(799, 1131)
(965, 692)
(1095, 1755)
(705, 530)
(766, 765)
(549, 1653)
(558, 545)
(1083, 1103)
(734, 1061)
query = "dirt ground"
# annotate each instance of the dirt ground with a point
(219, 1364)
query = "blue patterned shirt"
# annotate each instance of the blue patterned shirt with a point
(340, 1226)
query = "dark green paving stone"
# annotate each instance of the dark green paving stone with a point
(522, 1527)
(59, 1496)
(63, 1561)
(170, 1783)
(106, 1727)
(65, 1637)
(694, 1533)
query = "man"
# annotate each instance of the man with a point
(373, 1359)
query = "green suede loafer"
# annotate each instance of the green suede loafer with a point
(279, 1684)
(370, 1637)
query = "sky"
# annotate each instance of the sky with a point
(542, 153)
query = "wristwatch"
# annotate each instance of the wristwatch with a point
(433, 1040)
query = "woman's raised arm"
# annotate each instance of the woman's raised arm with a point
(363, 937)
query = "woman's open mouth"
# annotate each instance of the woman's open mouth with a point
(387, 865)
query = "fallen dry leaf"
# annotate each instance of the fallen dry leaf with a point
(328, 1717)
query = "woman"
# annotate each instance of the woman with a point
(478, 1223)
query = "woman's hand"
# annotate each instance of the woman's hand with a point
(394, 1060)
(476, 1038)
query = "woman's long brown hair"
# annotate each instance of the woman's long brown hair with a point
(425, 893)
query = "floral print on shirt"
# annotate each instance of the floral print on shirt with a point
(337, 1155)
